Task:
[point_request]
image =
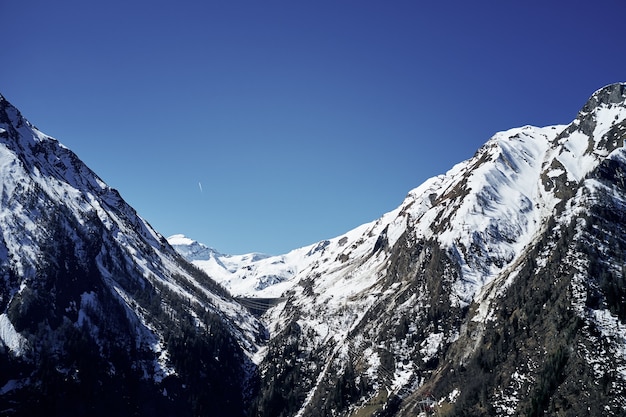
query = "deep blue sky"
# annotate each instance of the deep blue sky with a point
(301, 119)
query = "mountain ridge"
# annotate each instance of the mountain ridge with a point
(394, 306)
(95, 302)
(497, 288)
(610, 94)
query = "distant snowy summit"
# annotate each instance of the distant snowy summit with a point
(248, 275)
(191, 249)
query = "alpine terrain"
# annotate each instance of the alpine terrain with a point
(497, 289)
(98, 314)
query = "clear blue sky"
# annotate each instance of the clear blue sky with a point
(301, 119)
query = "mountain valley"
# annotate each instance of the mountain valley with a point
(495, 289)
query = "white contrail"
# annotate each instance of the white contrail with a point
(200, 185)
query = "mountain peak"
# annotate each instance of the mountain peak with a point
(191, 249)
(597, 130)
(610, 94)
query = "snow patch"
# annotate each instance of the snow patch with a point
(613, 330)
(10, 337)
(430, 345)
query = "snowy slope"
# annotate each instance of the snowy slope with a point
(485, 210)
(398, 302)
(76, 258)
(495, 196)
(44, 171)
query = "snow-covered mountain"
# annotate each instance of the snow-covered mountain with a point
(494, 289)
(249, 275)
(98, 314)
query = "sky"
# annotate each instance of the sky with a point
(264, 126)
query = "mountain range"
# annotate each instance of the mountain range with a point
(495, 289)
